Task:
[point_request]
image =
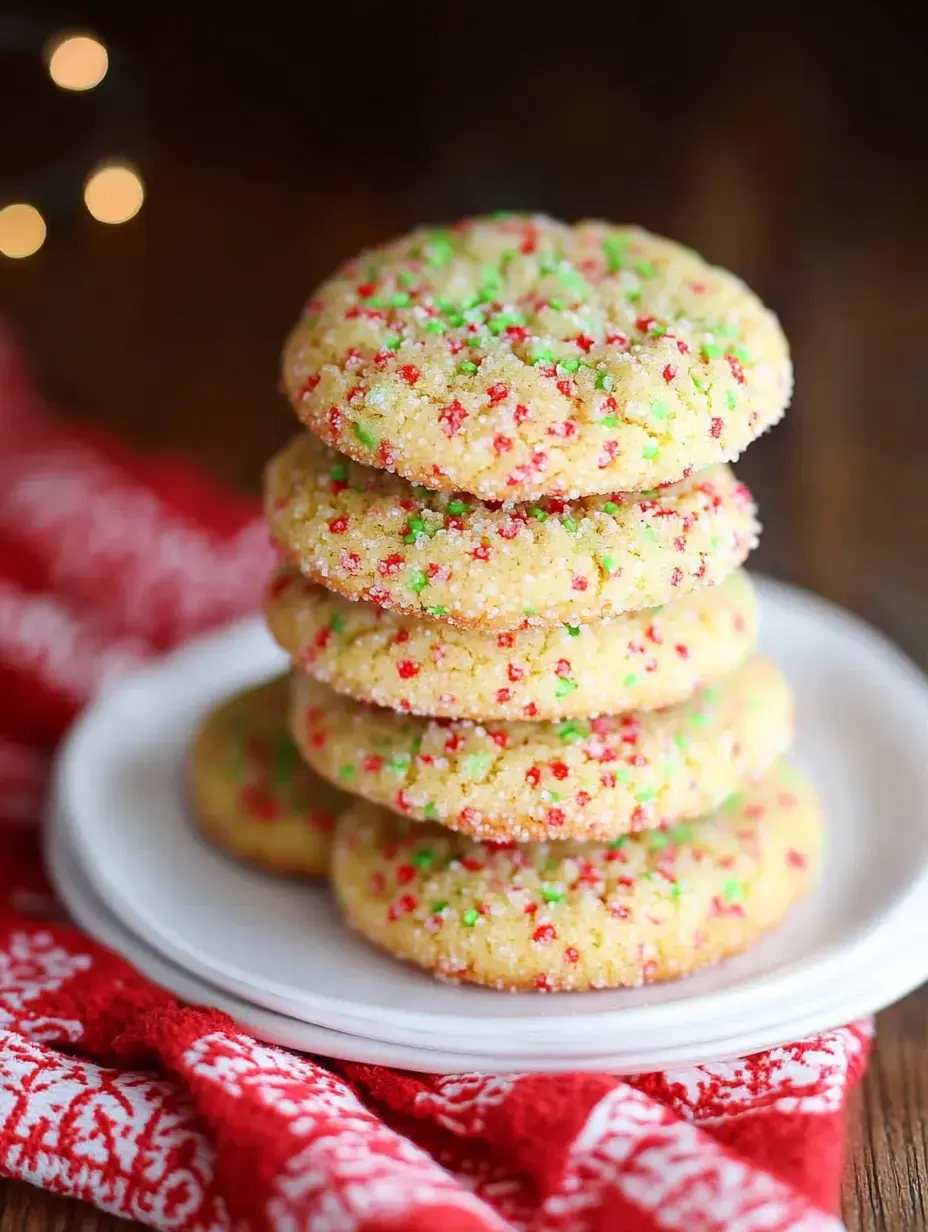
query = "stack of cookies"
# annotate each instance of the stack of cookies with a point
(510, 591)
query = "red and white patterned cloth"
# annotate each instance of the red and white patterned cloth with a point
(112, 1092)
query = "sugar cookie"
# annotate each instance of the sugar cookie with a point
(369, 535)
(594, 778)
(643, 660)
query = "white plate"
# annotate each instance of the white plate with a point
(862, 736)
(87, 910)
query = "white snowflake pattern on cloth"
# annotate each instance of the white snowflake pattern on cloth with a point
(459, 1101)
(126, 1142)
(808, 1077)
(90, 522)
(358, 1172)
(31, 966)
(671, 1171)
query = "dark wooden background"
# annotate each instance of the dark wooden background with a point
(788, 143)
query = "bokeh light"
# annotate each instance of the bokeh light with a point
(22, 230)
(77, 62)
(114, 193)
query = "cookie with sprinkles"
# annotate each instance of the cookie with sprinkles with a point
(576, 778)
(252, 794)
(567, 915)
(516, 357)
(370, 535)
(643, 660)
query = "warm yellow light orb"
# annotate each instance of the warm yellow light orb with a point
(77, 62)
(114, 193)
(22, 230)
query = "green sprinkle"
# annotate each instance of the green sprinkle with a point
(630, 680)
(731, 399)
(609, 421)
(742, 354)
(571, 730)
(603, 379)
(733, 891)
(439, 906)
(563, 686)
(650, 534)
(675, 889)
(623, 774)
(572, 630)
(650, 450)
(422, 858)
(699, 719)
(618, 842)
(337, 624)
(659, 410)
(399, 763)
(607, 563)
(712, 350)
(538, 513)
(697, 383)
(437, 610)
(634, 295)
(551, 894)
(421, 492)
(418, 581)
(471, 916)
(645, 269)
(681, 833)
(457, 507)
(570, 365)
(439, 250)
(555, 304)
(455, 318)
(658, 840)
(541, 355)
(615, 253)
(430, 812)
(434, 327)
(400, 299)
(406, 278)
(610, 507)
(346, 772)
(476, 766)
(553, 798)
(339, 472)
(367, 439)
(645, 795)
(394, 343)
(529, 611)
(467, 366)
(681, 742)
(570, 523)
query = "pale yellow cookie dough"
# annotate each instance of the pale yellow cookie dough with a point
(643, 660)
(594, 778)
(517, 357)
(370, 535)
(251, 792)
(567, 915)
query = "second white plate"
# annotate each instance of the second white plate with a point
(862, 737)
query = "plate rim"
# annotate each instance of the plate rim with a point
(648, 1019)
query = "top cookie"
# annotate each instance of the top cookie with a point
(516, 357)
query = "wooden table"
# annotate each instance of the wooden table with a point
(790, 150)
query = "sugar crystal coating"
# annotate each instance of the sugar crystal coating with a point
(570, 915)
(643, 660)
(519, 357)
(252, 793)
(370, 535)
(595, 778)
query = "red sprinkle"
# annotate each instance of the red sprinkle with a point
(390, 565)
(544, 934)
(410, 373)
(715, 428)
(407, 668)
(338, 526)
(579, 583)
(501, 443)
(452, 418)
